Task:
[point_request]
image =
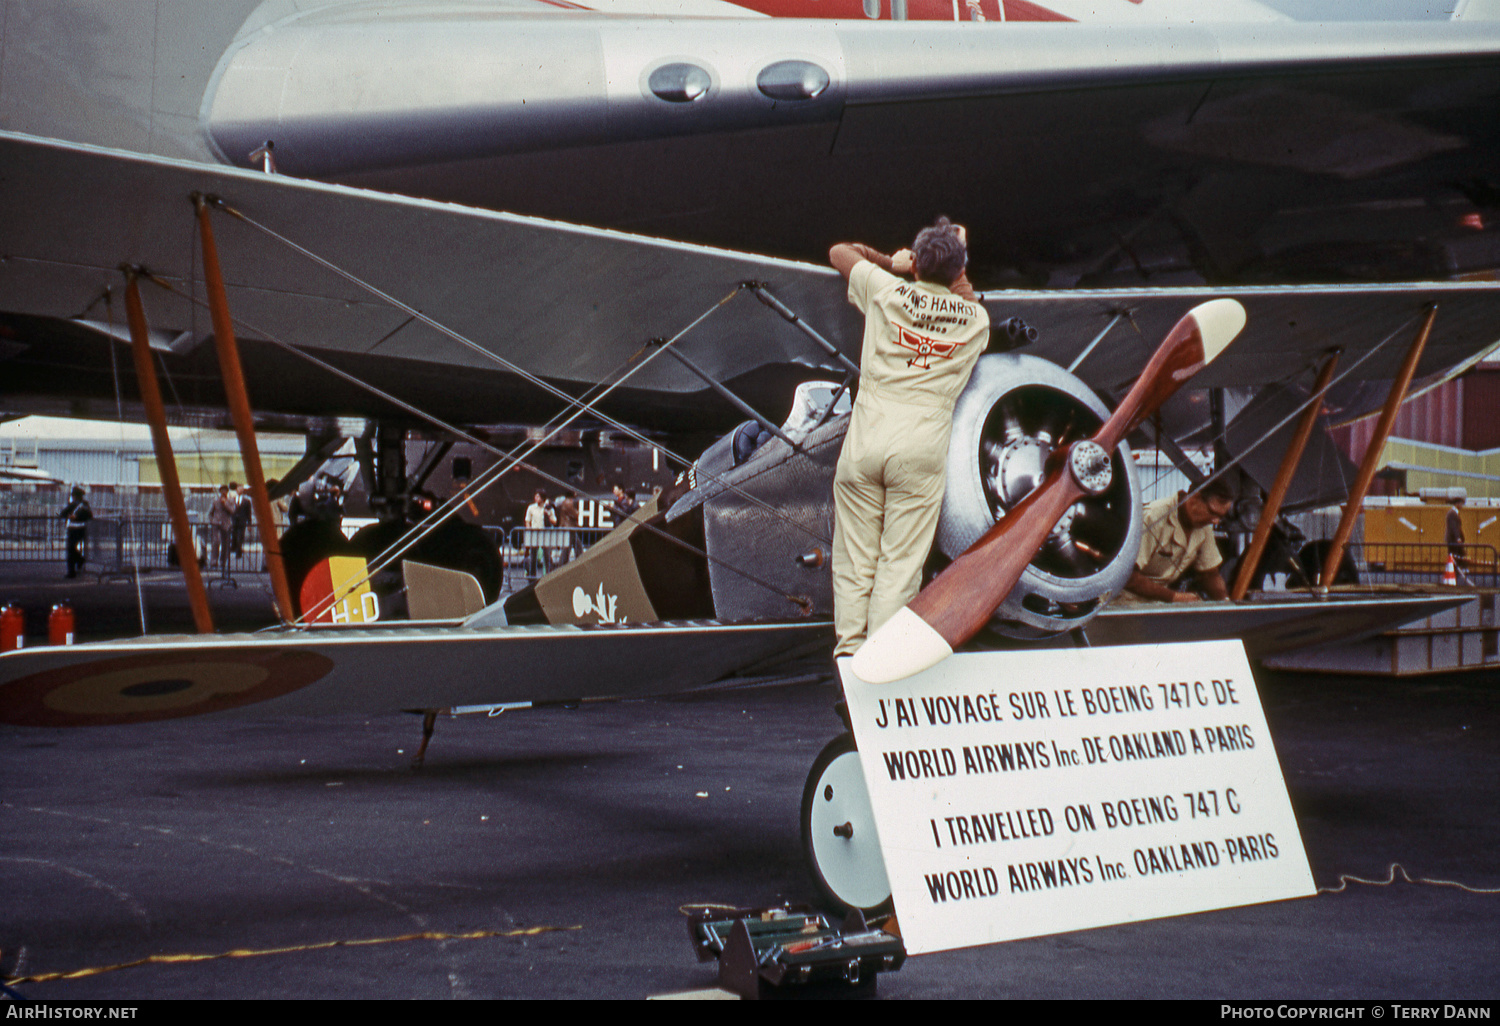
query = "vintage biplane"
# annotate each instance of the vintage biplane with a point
(395, 290)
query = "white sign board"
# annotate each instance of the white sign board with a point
(1026, 793)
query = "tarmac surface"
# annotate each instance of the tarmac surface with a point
(567, 841)
(571, 839)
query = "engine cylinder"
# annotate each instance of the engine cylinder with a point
(1015, 414)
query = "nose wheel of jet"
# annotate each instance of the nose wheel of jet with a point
(838, 832)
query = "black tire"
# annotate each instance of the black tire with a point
(454, 544)
(828, 786)
(1314, 553)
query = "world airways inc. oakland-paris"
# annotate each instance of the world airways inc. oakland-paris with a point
(1050, 874)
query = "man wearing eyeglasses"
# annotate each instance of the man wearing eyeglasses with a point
(1178, 539)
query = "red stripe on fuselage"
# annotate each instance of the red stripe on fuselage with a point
(916, 10)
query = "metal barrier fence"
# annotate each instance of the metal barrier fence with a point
(120, 545)
(531, 552)
(1425, 563)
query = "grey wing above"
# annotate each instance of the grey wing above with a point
(451, 308)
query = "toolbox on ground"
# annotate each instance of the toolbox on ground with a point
(764, 951)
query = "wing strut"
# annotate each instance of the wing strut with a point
(171, 484)
(787, 314)
(1371, 462)
(1272, 508)
(239, 410)
(734, 400)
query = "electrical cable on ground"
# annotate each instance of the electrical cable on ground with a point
(1345, 879)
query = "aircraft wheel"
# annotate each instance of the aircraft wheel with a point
(454, 544)
(838, 832)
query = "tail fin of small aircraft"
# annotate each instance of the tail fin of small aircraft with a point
(438, 593)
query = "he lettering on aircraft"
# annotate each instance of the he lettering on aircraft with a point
(921, 341)
(1178, 538)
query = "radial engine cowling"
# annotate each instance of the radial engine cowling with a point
(1015, 413)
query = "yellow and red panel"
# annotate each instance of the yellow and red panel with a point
(336, 591)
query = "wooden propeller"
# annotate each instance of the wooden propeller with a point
(959, 602)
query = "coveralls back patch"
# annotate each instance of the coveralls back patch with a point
(921, 342)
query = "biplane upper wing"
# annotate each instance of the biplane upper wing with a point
(571, 305)
(576, 307)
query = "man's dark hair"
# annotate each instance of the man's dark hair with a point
(938, 255)
(1218, 488)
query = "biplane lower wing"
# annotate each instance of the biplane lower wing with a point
(430, 666)
(1272, 622)
(377, 670)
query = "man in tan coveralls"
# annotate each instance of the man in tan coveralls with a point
(921, 342)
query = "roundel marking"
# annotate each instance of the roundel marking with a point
(156, 686)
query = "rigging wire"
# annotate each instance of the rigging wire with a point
(114, 367)
(585, 404)
(509, 460)
(468, 343)
(1295, 413)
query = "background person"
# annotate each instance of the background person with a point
(240, 496)
(539, 516)
(624, 505)
(220, 522)
(78, 514)
(1453, 535)
(566, 510)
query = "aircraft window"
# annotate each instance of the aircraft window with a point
(792, 80)
(679, 83)
(872, 8)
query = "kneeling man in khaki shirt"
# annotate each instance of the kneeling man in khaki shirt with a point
(1179, 537)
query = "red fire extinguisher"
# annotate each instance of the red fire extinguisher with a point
(12, 628)
(60, 625)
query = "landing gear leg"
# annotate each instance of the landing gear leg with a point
(838, 833)
(429, 722)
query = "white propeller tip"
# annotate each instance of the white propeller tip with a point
(1219, 322)
(905, 644)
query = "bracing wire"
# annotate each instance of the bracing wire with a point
(1296, 412)
(508, 460)
(586, 404)
(456, 336)
(114, 367)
